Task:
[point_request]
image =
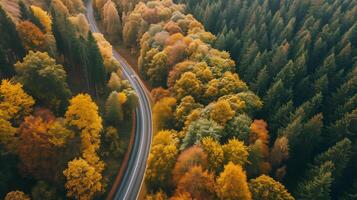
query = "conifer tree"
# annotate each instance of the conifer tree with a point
(96, 67)
(10, 42)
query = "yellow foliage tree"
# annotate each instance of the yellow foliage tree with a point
(236, 152)
(232, 183)
(106, 50)
(122, 97)
(14, 102)
(188, 84)
(16, 195)
(161, 159)
(266, 188)
(83, 180)
(7, 131)
(215, 152)
(184, 109)
(44, 17)
(221, 112)
(83, 113)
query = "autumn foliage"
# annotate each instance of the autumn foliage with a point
(232, 183)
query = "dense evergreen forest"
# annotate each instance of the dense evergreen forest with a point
(65, 110)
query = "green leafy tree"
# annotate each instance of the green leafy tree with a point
(200, 129)
(44, 79)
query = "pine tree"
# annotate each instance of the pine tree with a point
(339, 155)
(24, 12)
(10, 40)
(96, 70)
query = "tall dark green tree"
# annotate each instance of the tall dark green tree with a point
(317, 185)
(10, 43)
(96, 67)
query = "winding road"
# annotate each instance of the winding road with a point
(132, 179)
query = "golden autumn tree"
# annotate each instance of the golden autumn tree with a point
(163, 113)
(106, 50)
(266, 188)
(190, 157)
(14, 101)
(14, 104)
(215, 152)
(83, 180)
(83, 114)
(161, 159)
(232, 183)
(236, 152)
(7, 131)
(44, 18)
(221, 112)
(199, 183)
(16, 195)
(188, 84)
(186, 106)
(31, 36)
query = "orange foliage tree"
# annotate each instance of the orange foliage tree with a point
(40, 145)
(192, 156)
(198, 183)
(32, 37)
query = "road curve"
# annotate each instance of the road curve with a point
(132, 179)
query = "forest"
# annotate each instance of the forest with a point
(251, 99)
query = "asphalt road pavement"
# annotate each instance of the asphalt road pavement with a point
(132, 179)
